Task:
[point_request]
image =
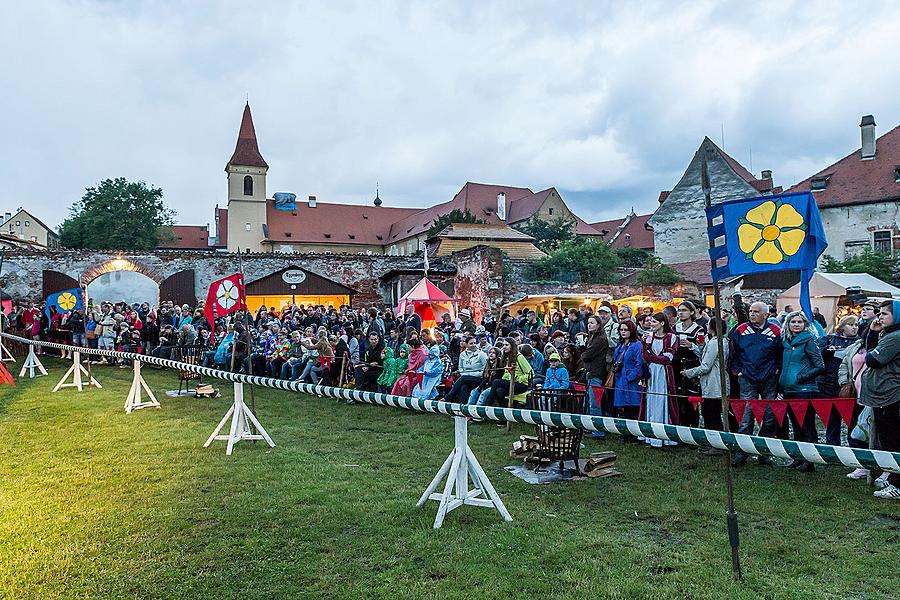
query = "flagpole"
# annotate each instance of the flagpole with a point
(247, 337)
(732, 518)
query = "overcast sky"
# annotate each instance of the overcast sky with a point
(605, 101)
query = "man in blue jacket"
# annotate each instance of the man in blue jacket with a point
(755, 359)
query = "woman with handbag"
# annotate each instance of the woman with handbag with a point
(834, 347)
(624, 379)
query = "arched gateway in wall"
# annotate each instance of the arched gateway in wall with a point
(178, 287)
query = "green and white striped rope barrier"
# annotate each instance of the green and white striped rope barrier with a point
(750, 444)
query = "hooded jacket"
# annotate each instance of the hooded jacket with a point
(801, 363)
(881, 380)
(389, 373)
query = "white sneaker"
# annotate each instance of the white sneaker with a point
(881, 482)
(891, 492)
(858, 474)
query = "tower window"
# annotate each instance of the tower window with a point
(247, 226)
(248, 185)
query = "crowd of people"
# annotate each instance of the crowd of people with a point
(639, 364)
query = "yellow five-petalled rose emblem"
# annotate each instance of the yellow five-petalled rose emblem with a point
(67, 301)
(771, 233)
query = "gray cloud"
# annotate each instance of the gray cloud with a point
(606, 101)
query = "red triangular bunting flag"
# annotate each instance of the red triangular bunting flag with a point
(779, 409)
(5, 376)
(823, 409)
(737, 407)
(799, 407)
(598, 394)
(224, 297)
(844, 407)
(758, 408)
(695, 400)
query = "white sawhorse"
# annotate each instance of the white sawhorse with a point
(6, 355)
(459, 467)
(133, 402)
(76, 371)
(31, 363)
(241, 417)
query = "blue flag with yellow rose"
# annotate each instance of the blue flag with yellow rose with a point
(64, 301)
(769, 233)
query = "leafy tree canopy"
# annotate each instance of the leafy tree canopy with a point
(874, 263)
(633, 257)
(586, 261)
(548, 235)
(454, 216)
(118, 215)
(657, 273)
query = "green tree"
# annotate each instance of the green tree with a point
(874, 263)
(118, 215)
(454, 216)
(657, 273)
(633, 257)
(586, 261)
(548, 235)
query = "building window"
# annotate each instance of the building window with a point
(27, 223)
(409, 247)
(882, 242)
(550, 211)
(897, 173)
(248, 185)
(34, 238)
(18, 223)
(247, 226)
(819, 183)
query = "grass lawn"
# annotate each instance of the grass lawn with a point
(94, 503)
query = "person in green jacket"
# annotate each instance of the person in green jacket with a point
(801, 365)
(523, 373)
(389, 373)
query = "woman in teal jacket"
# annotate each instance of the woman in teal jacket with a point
(801, 365)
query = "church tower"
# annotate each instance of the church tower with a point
(246, 190)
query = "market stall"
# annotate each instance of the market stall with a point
(547, 304)
(429, 301)
(830, 293)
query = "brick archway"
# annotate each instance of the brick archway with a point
(120, 264)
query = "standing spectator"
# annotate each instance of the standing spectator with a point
(755, 360)
(834, 348)
(711, 386)
(412, 320)
(610, 327)
(595, 355)
(881, 390)
(741, 311)
(691, 340)
(820, 318)
(801, 365)
(628, 365)
(660, 405)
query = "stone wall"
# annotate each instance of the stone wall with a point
(479, 279)
(22, 270)
(850, 229)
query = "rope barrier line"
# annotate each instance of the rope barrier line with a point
(694, 436)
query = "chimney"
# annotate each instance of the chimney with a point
(867, 125)
(501, 206)
(766, 174)
(311, 201)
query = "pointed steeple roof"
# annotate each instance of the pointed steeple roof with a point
(246, 151)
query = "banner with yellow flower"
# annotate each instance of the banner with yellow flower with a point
(769, 233)
(64, 301)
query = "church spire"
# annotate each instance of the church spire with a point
(246, 151)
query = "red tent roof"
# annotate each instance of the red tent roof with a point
(425, 290)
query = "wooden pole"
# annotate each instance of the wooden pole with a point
(514, 358)
(732, 519)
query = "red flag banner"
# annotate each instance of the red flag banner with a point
(845, 409)
(598, 394)
(758, 408)
(799, 408)
(779, 409)
(737, 406)
(823, 409)
(5, 376)
(224, 297)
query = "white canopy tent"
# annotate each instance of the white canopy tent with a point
(827, 291)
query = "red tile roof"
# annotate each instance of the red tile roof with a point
(479, 198)
(246, 151)
(857, 181)
(695, 271)
(333, 223)
(188, 237)
(634, 234)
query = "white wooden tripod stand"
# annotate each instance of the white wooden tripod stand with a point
(31, 363)
(6, 355)
(76, 371)
(459, 467)
(241, 417)
(133, 402)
